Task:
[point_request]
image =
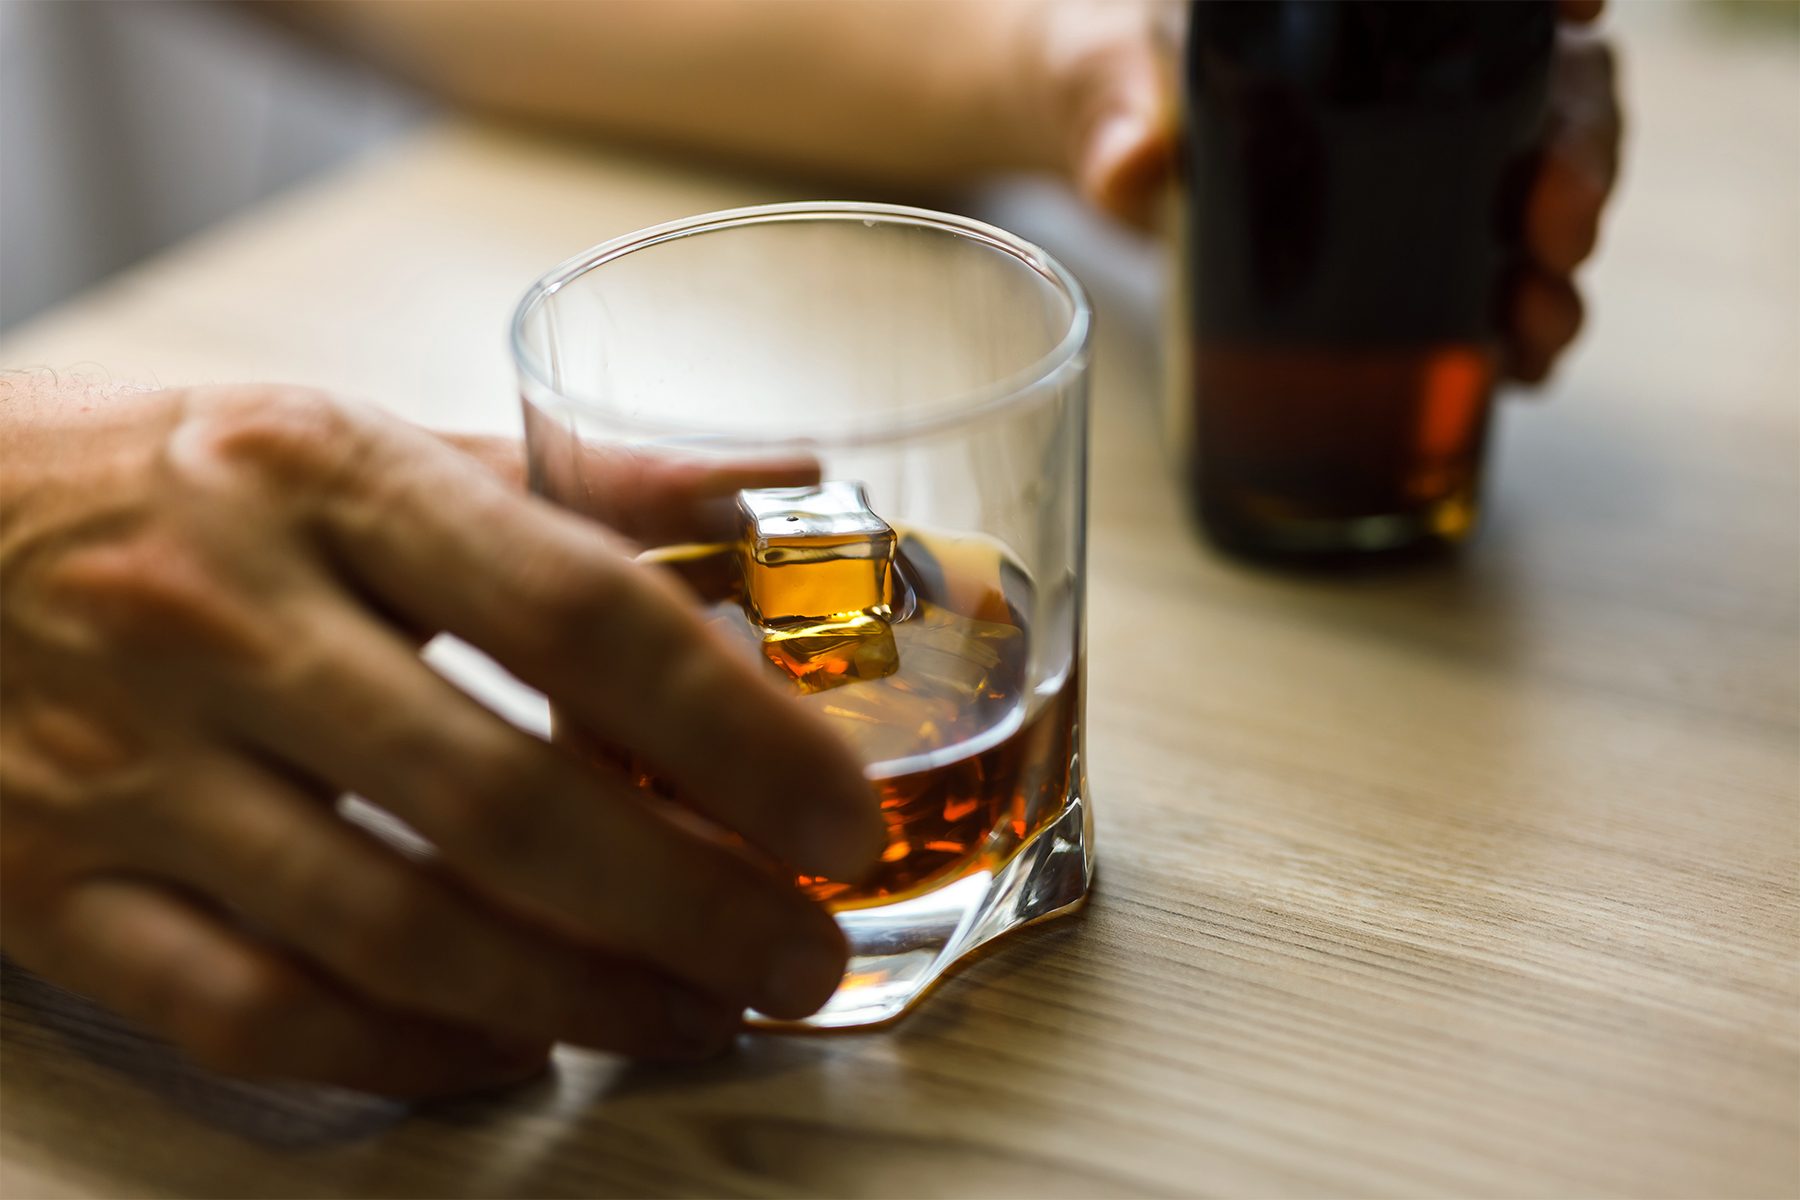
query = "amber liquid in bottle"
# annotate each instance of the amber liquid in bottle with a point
(1354, 182)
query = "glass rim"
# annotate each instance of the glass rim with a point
(955, 410)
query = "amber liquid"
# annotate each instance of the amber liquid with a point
(966, 812)
(967, 764)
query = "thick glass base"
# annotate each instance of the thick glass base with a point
(1419, 532)
(899, 951)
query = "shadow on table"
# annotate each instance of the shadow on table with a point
(1570, 495)
(834, 1113)
(944, 1012)
(284, 1116)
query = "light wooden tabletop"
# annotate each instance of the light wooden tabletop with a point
(1477, 879)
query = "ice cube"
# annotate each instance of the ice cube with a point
(818, 568)
(818, 655)
(957, 678)
(810, 553)
(963, 651)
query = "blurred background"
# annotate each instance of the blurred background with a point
(1545, 793)
(126, 125)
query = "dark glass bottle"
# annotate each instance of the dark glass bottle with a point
(1355, 174)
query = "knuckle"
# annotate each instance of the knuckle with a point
(394, 949)
(81, 744)
(73, 792)
(242, 1010)
(572, 594)
(295, 435)
(155, 593)
(52, 760)
(489, 792)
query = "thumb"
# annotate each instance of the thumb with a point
(1118, 104)
(1123, 162)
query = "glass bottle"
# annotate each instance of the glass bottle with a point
(1355, 176)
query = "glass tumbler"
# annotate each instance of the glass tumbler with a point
(859, 433)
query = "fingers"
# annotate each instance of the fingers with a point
(239, 1007)
(1545, 317)
(617, 647)
(1568, 196)
(577, 848)
(1580, 158)
(501, 457)
(1562, 217)
(400, 934)
(652, 499)
(656, 500)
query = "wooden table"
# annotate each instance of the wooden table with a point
(1473, 879)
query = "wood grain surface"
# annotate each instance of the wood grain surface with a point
(1473, 879)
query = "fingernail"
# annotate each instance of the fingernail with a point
(1115, 138)
(800, 978)
(701, 1028)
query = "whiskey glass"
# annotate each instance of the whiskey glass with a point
(889, 407)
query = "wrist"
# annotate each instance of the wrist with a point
(65, 434)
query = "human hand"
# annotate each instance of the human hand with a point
(1577, 167)
(211, 598)
(1110, 102)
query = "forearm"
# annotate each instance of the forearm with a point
(922, 91)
